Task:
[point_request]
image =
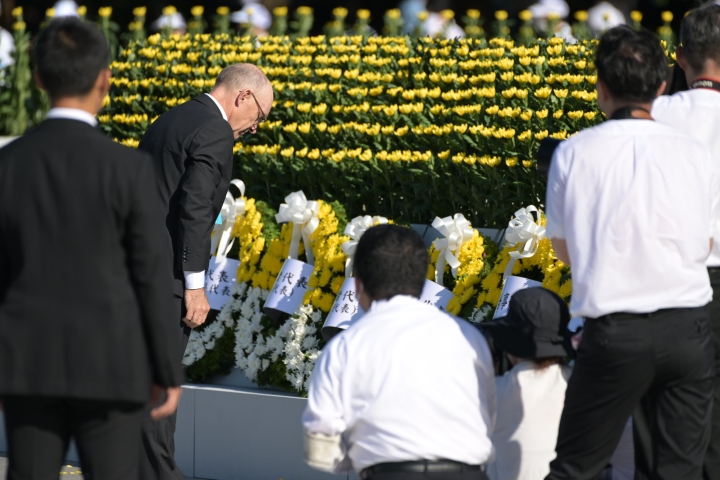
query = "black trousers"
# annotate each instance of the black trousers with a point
(711, 467)
(157, 450)
(430, 476)
(39, 430)
(668, 355)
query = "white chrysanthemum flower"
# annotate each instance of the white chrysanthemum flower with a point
(313, 355)
(292, 349)
(242, 363)
(275, 345)
(253, 365)
(247, 310)
(265, 364)
(199, 351)
(296, 380)
(239, 289)
(210, 345)
(309, 342)
(188, 359)
(284, 330)
(481, 314)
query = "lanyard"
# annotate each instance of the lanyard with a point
(626, 113)
(707, 84)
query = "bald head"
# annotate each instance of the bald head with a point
(246, 96)
(242, 76)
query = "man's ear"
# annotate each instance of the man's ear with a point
(244, 95)
(102, 84)
(603, 93)
(662, 88)
(681, 58)
(38, 81)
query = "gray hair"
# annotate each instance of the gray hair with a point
(242, 76)
(700, 35)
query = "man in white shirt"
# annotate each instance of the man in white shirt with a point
(408, 391)
(697, 113)
(632, 206)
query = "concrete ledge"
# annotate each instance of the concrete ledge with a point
(243, 434)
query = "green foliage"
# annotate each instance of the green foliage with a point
(17, 93)
(271, 229)
(218, 361)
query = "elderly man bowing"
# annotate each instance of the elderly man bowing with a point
(408, 392)
(192, 147)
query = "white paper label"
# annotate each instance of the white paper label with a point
(435, 294)
(346, 308)
(512, 285)
(290, 286)
(219, 279)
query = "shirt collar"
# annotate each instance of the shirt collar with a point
(397, 300)
(222, 110)
(73, 114)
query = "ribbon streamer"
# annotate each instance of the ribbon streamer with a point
(457, 230)
(304, 216)
(355, 229)
(525, 231)
(222, 240)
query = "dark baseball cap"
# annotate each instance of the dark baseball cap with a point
(534, 327)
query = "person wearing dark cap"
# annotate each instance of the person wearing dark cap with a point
(534, 335)
(530, 396)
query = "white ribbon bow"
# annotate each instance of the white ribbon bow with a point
(457, 230)
(355, 229)
(523, 229)
(304, 216)
(222, 240)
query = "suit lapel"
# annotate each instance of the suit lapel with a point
(208, 102)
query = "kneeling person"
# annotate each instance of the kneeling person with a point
(409, 391)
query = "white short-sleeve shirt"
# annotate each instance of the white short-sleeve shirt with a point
(697, 113)
(637, 203)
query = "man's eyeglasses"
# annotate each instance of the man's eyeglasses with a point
(261, 115)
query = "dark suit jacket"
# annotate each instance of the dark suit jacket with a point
(192, 148)
(85, 307)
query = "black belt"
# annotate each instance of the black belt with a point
(662, 311)
(420, 466)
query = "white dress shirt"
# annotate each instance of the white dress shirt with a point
(530, 403)
(406, 382)
(637, 202)
(697, 113)
(7, 46)
(72, 114)
(195, 280)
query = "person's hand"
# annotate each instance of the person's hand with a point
(169, 406)
(197, 306)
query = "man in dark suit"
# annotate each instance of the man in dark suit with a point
(84, 299)
(192, 146)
